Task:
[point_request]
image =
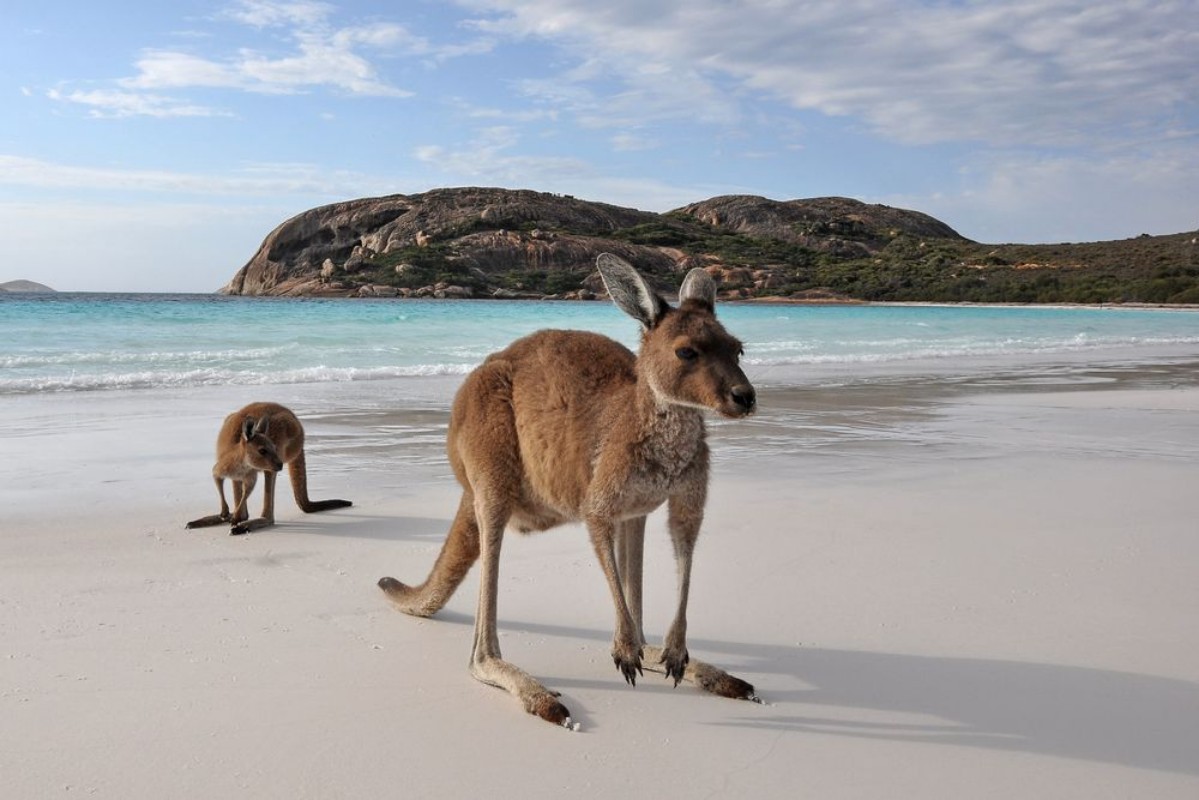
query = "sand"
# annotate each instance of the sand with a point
(943, 587)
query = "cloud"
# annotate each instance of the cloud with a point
(322, 59)
(631, 142)
(470, 110)
(488, 158)
(115, 104)
(264, 14)
(319, 55)
(492, 158)
(165, 69)
(252, 180)
(1008, 73)
(1029, 197)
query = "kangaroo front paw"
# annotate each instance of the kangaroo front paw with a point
(674, 663)
(628, 661)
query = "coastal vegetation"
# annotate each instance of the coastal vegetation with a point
(515, 243)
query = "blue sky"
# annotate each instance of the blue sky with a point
(150, 146)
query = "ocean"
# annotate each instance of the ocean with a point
(69, 342)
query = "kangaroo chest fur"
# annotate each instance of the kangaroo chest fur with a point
(622, 475)
(670, 457)
(583, 435)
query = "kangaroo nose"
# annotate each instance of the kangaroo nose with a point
(745, 397)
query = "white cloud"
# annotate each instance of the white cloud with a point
(321, 59)
(1015, 72)
(319, 56)
(630, 142)
(319, 62)
(263, 13)
(164, 69)
(488, 158)
(516, 115)
(115, 104)
(1017, 197)
(254, 179)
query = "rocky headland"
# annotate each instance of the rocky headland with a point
(481, 242)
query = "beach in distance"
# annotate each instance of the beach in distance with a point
(954, 552)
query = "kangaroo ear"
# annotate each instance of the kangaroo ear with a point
(630, 292)
(699, 286)
(247, 428)
(262, 425)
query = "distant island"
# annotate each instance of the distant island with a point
(504, 243)
(24, 286)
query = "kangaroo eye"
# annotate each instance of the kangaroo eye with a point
(686, 353)
(262, 451)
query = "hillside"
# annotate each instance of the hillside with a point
(477, 242)
(24, 286)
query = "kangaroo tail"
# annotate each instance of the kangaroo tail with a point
(458, 554)
(298, 471)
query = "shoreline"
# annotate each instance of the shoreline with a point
(762, 300)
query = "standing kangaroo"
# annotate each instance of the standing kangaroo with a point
(261, 437)
(567, 426)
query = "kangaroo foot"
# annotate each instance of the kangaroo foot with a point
(547, 706)
(535, 697)
(717, 681)
(705, 676)
(209, 521)
(255, 524)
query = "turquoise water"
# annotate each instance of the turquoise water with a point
(96, 342)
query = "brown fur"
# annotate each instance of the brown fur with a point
(261, 437)
(567, 426)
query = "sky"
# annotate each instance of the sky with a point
(151, 146)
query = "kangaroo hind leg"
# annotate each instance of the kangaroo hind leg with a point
(222, 518)
(486, 662)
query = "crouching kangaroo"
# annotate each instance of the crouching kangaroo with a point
(261, 437)
(566, 426)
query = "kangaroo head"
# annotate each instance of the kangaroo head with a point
(260, 452)
(687, 357)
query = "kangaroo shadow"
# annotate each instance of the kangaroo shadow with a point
(1106, 716)
(349, 523)
(1142, 721)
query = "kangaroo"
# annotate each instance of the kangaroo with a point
(261, 437)
(567, 426)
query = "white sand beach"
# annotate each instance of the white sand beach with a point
(941, 588)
